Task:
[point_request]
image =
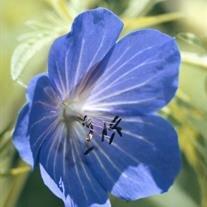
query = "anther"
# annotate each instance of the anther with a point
(115, 118)
(118, 129)
(113, 121)
(104, 132)
(117, 123)
(88, 124)
(112, 137)
(114, 125)
(88, 150)
(84, 120)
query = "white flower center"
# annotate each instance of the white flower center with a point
(72, 113)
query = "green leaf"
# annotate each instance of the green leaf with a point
(16, 171)
(32, 43)
(24, 52)
(11, 189)
(189, 38)
(11, 180)
(75, 7)
(193, 83)
(61, 7)
(200, 123)
(195, 59)
(140, 8)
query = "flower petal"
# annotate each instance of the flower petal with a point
(63, 161)
(141, 74)
(20, 136)
(49, 182)
(93, 34)
(32, 85)
(52, 147)
(43, 115)
(144, 162)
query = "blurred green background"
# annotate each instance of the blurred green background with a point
(28, 27)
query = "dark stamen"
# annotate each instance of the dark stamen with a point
(84, 118)
(112, 138)
(115, 126)
(102, 137)
(88, 150)
(112, 127)
(104, 132)
(113, 121)
(88, 123)
(115, 118)
(117, 123)
(118, 129)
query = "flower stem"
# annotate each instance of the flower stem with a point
(16, 171)
(141, 22)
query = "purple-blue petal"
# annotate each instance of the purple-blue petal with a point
(131, 79)
(144, 162)
(43, 115)
(63, 160)
(93, 34)
(52, 147)
(32, 85)
(140, 74)
(48, 181)
(21, 137)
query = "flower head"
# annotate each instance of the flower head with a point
(90, 124)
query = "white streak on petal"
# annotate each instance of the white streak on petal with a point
(51, 149)
(42, 103)
(59, 139)
(124, 75)
(141, 138)
(125, 153)
(51, 127)
(64, 154)
(115, 103)
(42, 119)
(97, 51)
(51, 95)
(97, 158)
(120, 92)
(63, 90)
(67, 70)
(102, 166)
(77, 73)
(123, 64)
(102, 79)
(77, 171)
(83, 167)
(109, 159)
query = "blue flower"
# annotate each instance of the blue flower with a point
(90, 122)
